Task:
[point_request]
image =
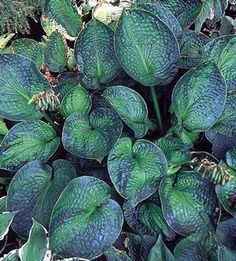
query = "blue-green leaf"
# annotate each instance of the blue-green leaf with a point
(5, 222)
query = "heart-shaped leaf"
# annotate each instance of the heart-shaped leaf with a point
(199, 97)
(34, 191)
(93, 135)
(95, 55)
(27, 141)
(76, 100)
(146, 48)
(5, 222)
(188, 202)
(130, 106)
(136, 168)
(85, 222)
(20, 80)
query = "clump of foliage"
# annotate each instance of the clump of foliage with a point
(118, 133)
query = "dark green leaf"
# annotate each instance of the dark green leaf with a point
(5, 222)
(3, 202)
(113, 254)
(11, 256)
(225, 254)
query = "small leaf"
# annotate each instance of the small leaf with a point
(37, 199)
(3, 128)
(146, 48)
(4, 39)
(3, 202)
(5, 222)
(76, 100)
(91, 136)
(27, 141)
(199, 97)
(130, 106)
(11, 256)
(85, 222)
(20, 80)
(113, 254)
(95, 55)
(136, 168)
(36, 246)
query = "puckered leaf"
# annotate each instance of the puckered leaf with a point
(136, 168)
(130, 106)
(95, 55)
(34, 191)
(27, 141)
(188, 202)
(85, 222)
(146, 48)
(20, 80)
(93, 135)
(5, 222)
(76, 100)
(199, 97)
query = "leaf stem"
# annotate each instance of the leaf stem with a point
(156, 107)
(49, 120)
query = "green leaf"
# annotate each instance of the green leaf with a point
(95, 55)
(85, 222)
(3, 202)
(56, 53)
(231, 158)
(222, 51)
(20, 80)
(199, 97)
(113, 254)
(91, 136)
(189, 202)
(4, 39)
(36, 246)
(11, 256)
(34, 191)
(76, 100)
(136, 168)
(160, 252)
(130, 106)
(27, 141)
(146, 48)
(3, 128)
(64, 88)
(5, 222)
(225, 254)
(61, 15)
(29, 48)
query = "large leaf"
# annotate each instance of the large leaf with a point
(188, 202)
(136, 168)
(5, 222)
(76, 100)
(36, 246)
(91, 136)
(130, 106)
(222, 51)
(34, 191)
(85, 222)
(95, 55)
(199, 97)
(20, 80)
(27, 141)
(146, 48)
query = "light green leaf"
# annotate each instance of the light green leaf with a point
(85, 222)
(95, 55)
(199, 97)
(20, 80)
(36, 246)
(4, 39)
(136, 168)
(130, 106)
(3, 202)
(5, 222)
(34, 191)
(146, 48)
(92, 136)
(188, 202)
(27, 141)
(76, 100)
(11, 256)
(3, 128)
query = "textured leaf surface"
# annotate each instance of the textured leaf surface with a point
(3, 128)
(30, 49)
(226, 254)
(146, 48)
(20, 80)
(56, 53)
(5, 222)
(199, 97)
(136, 168)
(222, 51)
(76, 100)
(188, 202)
(95, 55)
(231, 158)
(85, 222)
(27, 141)
(34, 191)
(36, 246)
(130, 106)
(91, 136)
